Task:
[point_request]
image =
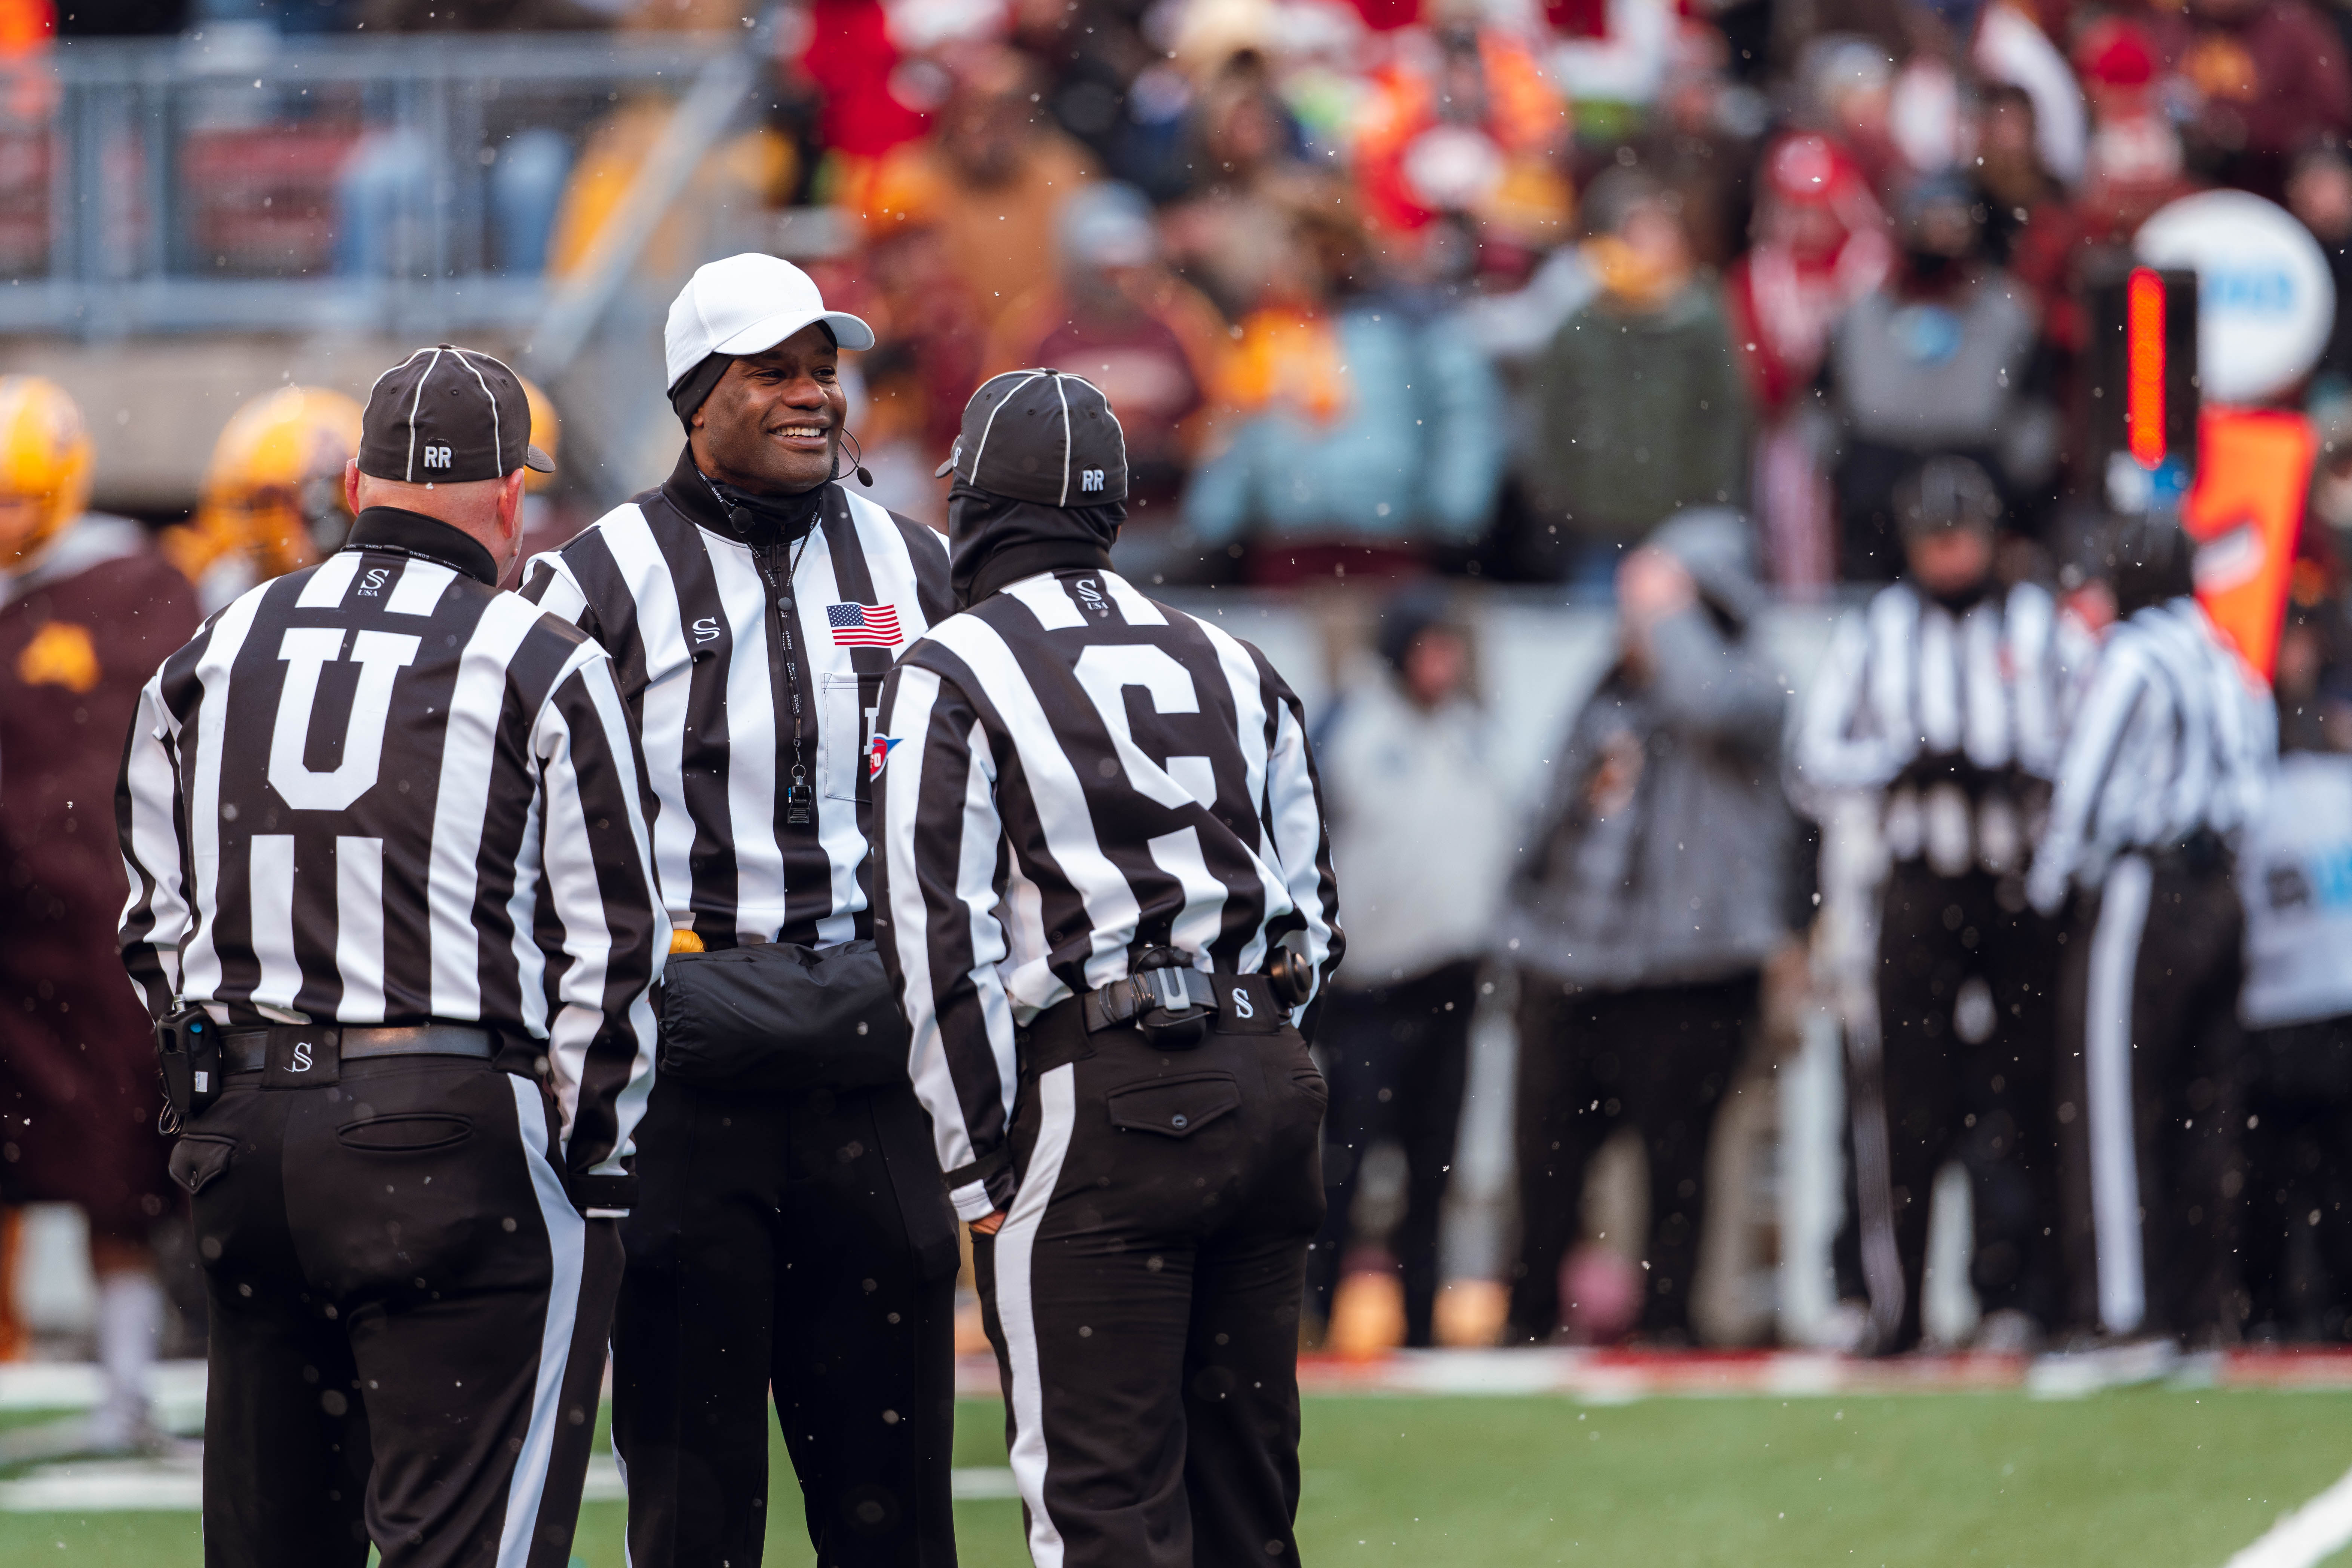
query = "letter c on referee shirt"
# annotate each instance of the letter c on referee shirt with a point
(1106, 670)
(307, 650)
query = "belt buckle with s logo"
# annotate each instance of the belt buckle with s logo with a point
(294, 1061)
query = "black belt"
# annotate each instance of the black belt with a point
(248, 1050)
(1172, 990)
(1231, 1003)
(2203, 853)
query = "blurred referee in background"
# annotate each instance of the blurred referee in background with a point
(2169, 756)
(1941, 699)
(1109, 893)
(792, 1233)
(390, 873)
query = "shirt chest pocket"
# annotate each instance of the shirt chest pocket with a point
(848, 704)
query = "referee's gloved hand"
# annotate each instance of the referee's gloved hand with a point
(988, 1224)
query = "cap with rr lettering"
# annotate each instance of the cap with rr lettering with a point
(445, 415)
(1042, 436)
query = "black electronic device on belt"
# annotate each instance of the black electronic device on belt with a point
(1289, 975)
(1168, 1012)
(188, 1060)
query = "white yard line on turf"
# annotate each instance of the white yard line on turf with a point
(982, 1485)
(2310, 1536)
(111, 1486)
(179, 1386)
(176, 1485)
(171, 1486)
(79, 1385)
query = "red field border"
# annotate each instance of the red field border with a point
(1612, 1376)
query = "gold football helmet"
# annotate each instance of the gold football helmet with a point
(45, 461)
(274, 490)
(546, 429)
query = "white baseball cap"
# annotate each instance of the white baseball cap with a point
(747, 304)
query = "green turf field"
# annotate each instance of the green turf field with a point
(2147, 1479)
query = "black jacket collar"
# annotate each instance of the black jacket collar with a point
(766, 523)
(397, 528)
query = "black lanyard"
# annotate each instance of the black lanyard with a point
(798, 797)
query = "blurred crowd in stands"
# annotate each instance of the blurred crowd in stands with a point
(1482, 286)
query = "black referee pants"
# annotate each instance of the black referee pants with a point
(1143, 1294)
(2298, 1227)
(1933, 1094)
(1658, 1059)
(2149, 1087)
(798, 1242)
(1396, 1056)
(408, 1321)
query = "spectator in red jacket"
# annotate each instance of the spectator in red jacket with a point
(1115, 315)
(2320, 194)
(2269, 77)
(2134, 165)
(1821, 244)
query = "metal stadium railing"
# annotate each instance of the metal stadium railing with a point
(232, 182)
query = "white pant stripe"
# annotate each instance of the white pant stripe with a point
(567, 1237)
(1016, 1309)
(2108, 1072)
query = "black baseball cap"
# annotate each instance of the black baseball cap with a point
(1042, 436)
(447, 416)
(1945, 493)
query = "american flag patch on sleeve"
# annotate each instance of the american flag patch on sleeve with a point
(863, 625)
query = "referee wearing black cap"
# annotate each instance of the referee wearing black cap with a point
(1107, 898)
(391, 881)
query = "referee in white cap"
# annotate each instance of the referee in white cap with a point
(792, 1233)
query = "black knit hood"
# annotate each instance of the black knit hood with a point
(993, 540)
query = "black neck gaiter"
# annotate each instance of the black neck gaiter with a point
(768, 520)
(993, 540)
(1961, 600)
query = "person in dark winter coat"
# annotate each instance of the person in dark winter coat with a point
(1640, 410)
(1649, 898)
(1420, 830)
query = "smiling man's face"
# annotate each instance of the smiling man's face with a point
(770, 425)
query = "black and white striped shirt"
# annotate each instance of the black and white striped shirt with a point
(717, 641)
(1947, 714)
(380, 792)
(1071, 772)
(2175, 737)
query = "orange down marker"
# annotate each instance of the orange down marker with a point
(2254, 469)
